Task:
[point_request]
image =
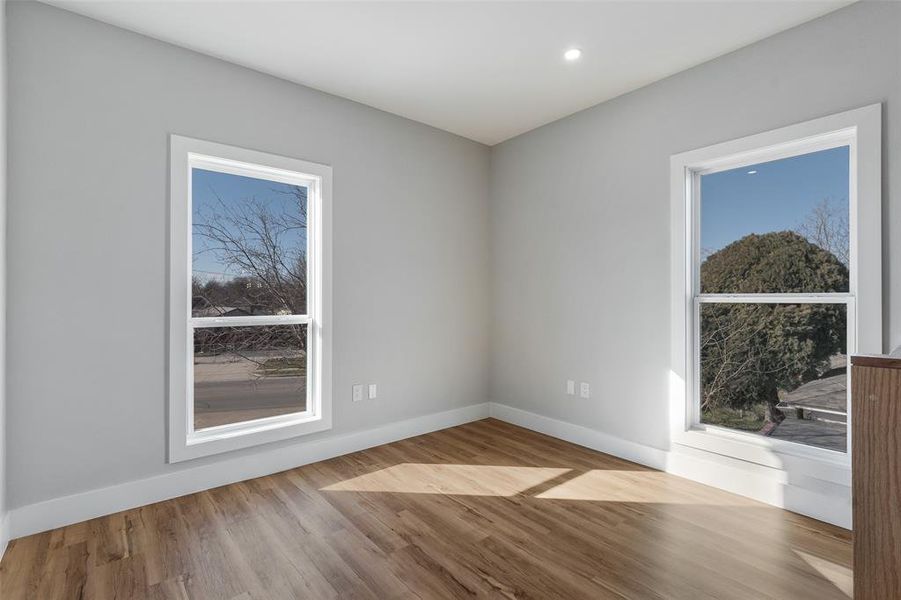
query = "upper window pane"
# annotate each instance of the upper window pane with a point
(249, 246)
(778, 226)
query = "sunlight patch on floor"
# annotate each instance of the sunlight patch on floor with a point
(651, 487)
(838, 575)
(462, 480)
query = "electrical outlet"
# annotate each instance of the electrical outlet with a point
(570, 387)
(584, 390)
(358, 393)
(373, 391)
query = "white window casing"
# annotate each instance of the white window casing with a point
(184, 443)
(858, 129)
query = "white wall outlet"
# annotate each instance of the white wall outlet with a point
(585, 390)
(373, 391)
(358, 393)
(570, 387)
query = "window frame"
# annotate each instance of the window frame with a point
(185, 443)
(859, 129)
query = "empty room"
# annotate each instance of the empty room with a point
(450, 299)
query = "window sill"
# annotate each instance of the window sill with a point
(226, 438)
(817, 463)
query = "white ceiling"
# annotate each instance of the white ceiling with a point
(484, 70)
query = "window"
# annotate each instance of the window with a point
(767, 365)
(776, 279)
(249, 351)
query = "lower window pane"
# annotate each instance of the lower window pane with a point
(248, 373)
(778, 370)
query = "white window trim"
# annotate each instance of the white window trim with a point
(861, 129)
(184, 443)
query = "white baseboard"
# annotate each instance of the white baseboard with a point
(583, 436)
(67, 510)
(823, 501)
(760, 483)
(830, 503)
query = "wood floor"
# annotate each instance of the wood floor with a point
(485, 510)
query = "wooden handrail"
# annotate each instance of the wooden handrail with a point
(876, 360)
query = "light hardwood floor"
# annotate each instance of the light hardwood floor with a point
(484, 510)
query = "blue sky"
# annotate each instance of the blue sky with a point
(234, 191)
(778, 197)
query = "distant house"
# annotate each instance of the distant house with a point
(200, 308)
(824, 398)
(222, 311)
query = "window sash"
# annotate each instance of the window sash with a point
(824, 141)
(694, 396)
(244, 427)
(826, 298)
(264, 173)
(249, 321)
(246, 169)
(846, 136)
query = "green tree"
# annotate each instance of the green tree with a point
(749, 352)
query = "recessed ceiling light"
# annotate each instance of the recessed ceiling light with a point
(572, 54)
(752, 172)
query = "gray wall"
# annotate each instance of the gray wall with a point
(566, 270)
(581, 214)
(91, 108)
(3, 453)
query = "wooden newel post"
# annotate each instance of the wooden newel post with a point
(876, 473)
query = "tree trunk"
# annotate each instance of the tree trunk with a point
(773, 414)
